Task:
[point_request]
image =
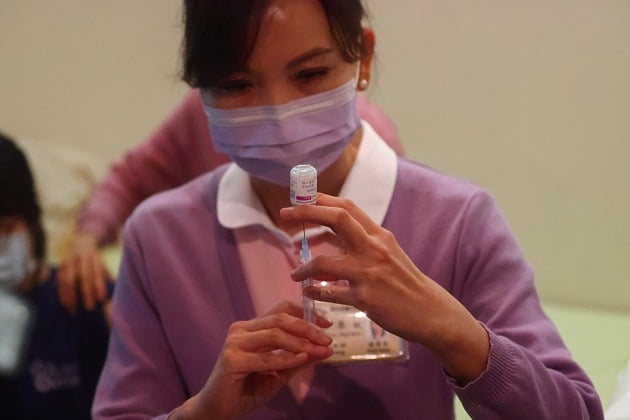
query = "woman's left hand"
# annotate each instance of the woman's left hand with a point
(383, 282)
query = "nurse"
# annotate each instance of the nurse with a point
(205, 323)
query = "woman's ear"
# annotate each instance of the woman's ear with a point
(365, 67)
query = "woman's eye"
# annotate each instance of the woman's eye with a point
(312, 74)
(231, 87)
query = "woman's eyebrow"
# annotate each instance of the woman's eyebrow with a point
(309, 55)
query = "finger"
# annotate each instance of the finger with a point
(350, 206)
(325, 277)
(322, 321)
(270, 361)
(66, 286)
(292, 325)
(99, 277)
(296, 310)
(326, 266)
(279, 339)
(287, 306)
(86, 279)
(343, 295)
(336, 218)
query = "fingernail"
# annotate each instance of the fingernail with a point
(323, 338)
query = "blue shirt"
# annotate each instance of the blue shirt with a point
(62, 364)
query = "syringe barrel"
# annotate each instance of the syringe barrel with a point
(307, 303)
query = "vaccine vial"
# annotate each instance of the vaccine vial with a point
(303, 185)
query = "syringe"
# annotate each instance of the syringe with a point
(303, 190)
(307, 303)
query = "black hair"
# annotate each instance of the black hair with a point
(18, 196)
(219, 35)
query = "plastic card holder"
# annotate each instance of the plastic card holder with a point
(358, 339)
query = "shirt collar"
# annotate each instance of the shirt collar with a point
(370, 184)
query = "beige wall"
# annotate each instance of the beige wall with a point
(96, 73)
(530, 99)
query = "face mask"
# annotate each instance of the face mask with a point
(15, 262)
(267, 141)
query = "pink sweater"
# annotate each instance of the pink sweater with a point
(179, 151)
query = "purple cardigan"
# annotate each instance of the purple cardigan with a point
(181, 285)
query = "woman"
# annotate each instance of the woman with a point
(65, 353)
(427, 257)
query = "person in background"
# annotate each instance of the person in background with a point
(206, 322)
(179, 151)
(65, 353)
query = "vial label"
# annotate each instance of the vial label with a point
(303, 185)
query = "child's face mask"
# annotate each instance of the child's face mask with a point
(15, 260)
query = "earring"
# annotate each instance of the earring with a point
(363, 84)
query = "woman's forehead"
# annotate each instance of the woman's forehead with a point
(298, 11)
(288, 29)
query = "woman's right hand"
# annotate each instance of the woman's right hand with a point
(82, 271)
(258, 357)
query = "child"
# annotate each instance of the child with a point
(64, 354)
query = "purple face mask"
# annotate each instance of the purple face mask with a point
(267, 141)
